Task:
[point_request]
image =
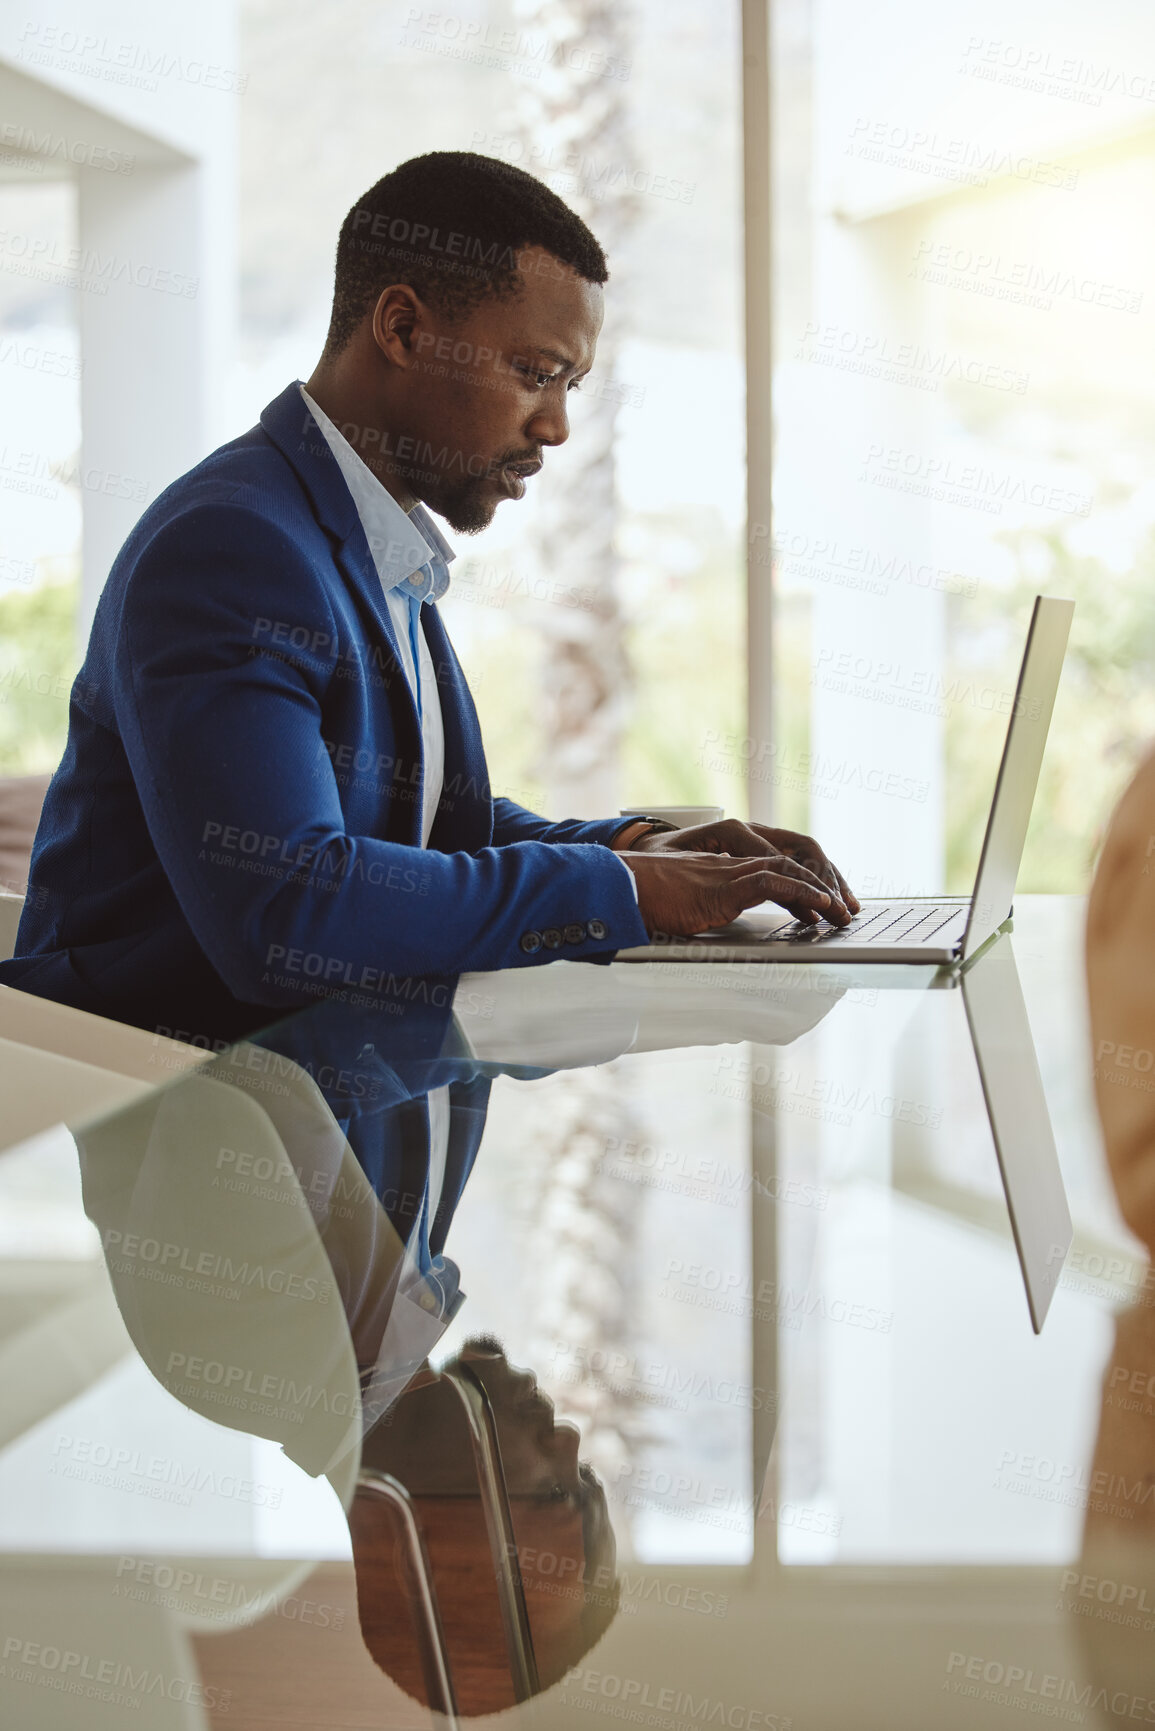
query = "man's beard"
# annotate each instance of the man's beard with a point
(465, 505)
(466, 501)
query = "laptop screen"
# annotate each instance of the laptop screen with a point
(1019, 770)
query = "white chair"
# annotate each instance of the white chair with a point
(21, 799)
(11, 907)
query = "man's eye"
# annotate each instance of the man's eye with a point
(539, 380)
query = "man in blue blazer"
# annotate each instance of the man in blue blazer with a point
(274, 785)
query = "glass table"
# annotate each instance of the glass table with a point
(726, 1250)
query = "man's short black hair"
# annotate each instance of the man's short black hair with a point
(451, 225)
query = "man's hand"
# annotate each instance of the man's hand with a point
(757, 840)
(680, 893)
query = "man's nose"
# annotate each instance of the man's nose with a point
(549, 425)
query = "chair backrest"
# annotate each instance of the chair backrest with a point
(11, 908)
(21, 801)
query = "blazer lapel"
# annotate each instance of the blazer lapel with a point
(464, 818)
(297, 436)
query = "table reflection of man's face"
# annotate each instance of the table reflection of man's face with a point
(561, 1528)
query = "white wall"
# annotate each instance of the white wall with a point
(155, 251)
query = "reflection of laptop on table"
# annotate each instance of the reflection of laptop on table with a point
(1020, 1124)
(939, 930)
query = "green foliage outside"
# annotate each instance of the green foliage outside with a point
(38, 662)
(688, 705)
(1104, 720)
(686, 724)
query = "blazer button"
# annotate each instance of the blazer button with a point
(530, 943)
(596, 929)
(551, 938)
(575, 934)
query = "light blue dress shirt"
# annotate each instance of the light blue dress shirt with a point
(412, 559)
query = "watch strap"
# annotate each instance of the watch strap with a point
(653, 824)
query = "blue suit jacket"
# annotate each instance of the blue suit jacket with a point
(234, 828)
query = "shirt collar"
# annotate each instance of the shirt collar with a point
(408, 550)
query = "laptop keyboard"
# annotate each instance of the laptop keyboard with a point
(878, 923)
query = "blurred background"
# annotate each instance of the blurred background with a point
(936, 222)
(962, 333)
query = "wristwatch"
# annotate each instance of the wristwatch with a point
(652, 826)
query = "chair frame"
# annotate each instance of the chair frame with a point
(435, 1661)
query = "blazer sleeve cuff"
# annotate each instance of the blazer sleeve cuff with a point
(608, 921)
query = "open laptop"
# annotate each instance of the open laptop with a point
(1020, 1123)
(938, 930)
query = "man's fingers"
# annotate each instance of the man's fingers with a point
(806, 903)
(828, 873)
(848, 894)
(784, 866)
(805, 849)
(695, 891)
(831, 875)
(749, 889)
(816, 876)
(791, 885)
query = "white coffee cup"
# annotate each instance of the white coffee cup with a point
(681, 816)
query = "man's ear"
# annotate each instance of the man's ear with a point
(401, 325)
